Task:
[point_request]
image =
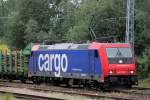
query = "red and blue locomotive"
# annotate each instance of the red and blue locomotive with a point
(96, 64)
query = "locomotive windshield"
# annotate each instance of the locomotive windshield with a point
(119, 55)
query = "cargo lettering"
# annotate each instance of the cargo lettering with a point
(50, 62)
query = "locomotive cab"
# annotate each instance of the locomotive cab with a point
(118, 64)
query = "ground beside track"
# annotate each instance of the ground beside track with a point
(71, 96)
(42, 93)
(54, 91)
(144, 83)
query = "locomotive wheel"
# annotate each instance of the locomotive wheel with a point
(36, 80)
(47, 80)
(129, 85)
(70, 83)
(56, 82)
(104, 86)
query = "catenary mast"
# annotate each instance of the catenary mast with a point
(130, 22)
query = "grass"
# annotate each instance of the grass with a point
(7, 97)
(144, 83)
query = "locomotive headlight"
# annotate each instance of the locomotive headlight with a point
(110, 72)
(131, 71)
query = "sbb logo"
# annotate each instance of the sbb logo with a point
(50, 62)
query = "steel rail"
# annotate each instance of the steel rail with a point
(92, 95)
(136, 91)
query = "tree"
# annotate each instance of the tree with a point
(142, 23)
(28, 18)
(144, 64)
(50, 20)
(31, 31)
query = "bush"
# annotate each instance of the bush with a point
(144, 64)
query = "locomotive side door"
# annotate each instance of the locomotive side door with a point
(97, 65)
(94, 60)
(91, 63)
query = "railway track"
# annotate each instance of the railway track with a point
(88, 93)
(134, 90)
(141, 88)
(26, 96)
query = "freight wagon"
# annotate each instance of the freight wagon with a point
(13, 65)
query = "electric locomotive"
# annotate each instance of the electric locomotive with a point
(96, 64)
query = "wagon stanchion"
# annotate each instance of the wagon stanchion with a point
(21, 62)
(5, 63)
(13, 62)
(0, 62)
(15, 67)
(25, 66)
(22, 76)
(10, 61)
(18, 64)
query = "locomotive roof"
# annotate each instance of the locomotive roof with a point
(64, 46)
(72, 46)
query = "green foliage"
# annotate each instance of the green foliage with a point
(144, 64)
(31, 31)
(144, 83)
(28, 21)
(78, 33)
(142, 23)
(102, 25)
(15, 32)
